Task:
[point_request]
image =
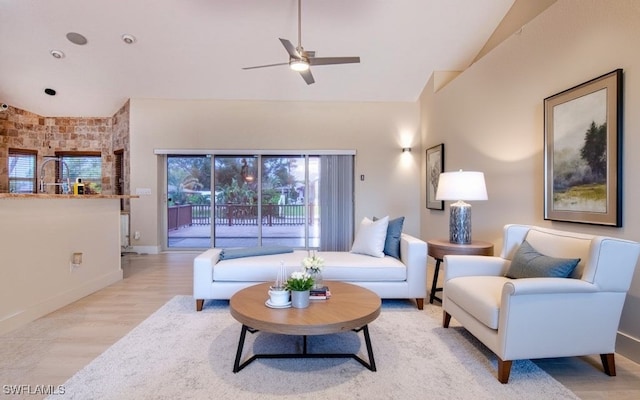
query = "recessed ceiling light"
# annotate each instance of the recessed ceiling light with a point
(128, 39)
(57, 54)
(50, 92)
(76, 38)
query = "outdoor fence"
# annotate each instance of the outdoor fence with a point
(179, 216)
(237, 214)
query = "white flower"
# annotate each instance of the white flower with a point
(313, 264)
(300, 281)
(300, 275)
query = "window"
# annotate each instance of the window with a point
(119, 171)
(22, 171)
(84, 165)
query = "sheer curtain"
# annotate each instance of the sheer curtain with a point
(336, 202)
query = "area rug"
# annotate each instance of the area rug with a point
(178, 353)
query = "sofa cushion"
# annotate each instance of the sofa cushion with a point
(529, 263)
(227, 254)
(370, 237)
(392, 241)
(338, 265)
(479, 296)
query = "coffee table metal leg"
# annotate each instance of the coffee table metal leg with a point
(243, 334)
(367, 341)
(371, 365)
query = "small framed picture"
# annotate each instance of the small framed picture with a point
(435, 165)
(583, 152)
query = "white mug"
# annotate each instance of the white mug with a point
(279, 297)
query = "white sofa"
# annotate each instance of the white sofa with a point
(542, 317)
(389, 277)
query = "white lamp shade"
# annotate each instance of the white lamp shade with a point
(461, 185)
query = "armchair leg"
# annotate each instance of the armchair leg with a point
(504, 369)
(609, 364)
(199, 304)
(446, 319)
(420, 303)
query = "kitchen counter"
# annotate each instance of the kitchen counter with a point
(40, 235)
(64, 196)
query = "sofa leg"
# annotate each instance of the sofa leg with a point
(609, 364)
(504, 369)
(199, 304)
(446, 319)
(420, 304)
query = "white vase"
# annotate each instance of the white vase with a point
(299, 299)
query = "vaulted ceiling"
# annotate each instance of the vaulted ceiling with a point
(196, 49)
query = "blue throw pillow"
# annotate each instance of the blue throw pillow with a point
(228, 254)
(529, 263)
(392, 242)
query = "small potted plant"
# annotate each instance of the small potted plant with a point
(300, 283)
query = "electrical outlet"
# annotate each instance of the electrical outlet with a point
(136, 235)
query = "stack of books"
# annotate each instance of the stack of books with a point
(322, 293)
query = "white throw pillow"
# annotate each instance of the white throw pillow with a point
(370, 237)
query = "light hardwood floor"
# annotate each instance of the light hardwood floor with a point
(51, 349)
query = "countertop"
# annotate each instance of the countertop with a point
(64, 196)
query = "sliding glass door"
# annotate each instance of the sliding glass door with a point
(188, 214)
(236, 216)
(245, 200)
(289, 200)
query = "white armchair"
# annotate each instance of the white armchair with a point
(530, 318)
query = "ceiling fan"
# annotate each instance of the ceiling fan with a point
(301, 60)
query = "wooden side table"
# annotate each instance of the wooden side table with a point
(438, 248)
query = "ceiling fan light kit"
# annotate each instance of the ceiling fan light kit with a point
(301, 60)
(299, 65)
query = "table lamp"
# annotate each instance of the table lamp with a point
(460, 186)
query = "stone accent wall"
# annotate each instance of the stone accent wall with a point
(120, 134)
(25, 130)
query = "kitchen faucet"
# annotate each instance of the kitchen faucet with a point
(65, 186)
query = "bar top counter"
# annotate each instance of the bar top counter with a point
(64, 196)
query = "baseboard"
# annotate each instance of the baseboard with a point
(146, 249)
(58, 301)
(628, 346)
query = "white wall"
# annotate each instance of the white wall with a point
(37, 240)
(377, 131)
(491, 119)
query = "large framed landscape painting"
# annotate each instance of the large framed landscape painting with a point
(583, 152)
(435, 165)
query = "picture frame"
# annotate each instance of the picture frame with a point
(583, 152)
(435, 165)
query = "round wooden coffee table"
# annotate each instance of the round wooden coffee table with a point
(350, 308)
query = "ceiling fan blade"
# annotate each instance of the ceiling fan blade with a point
(333, 60)
(265, 66)
(306, 75)
(290, 49)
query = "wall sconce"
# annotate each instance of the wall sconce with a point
(406, 149)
